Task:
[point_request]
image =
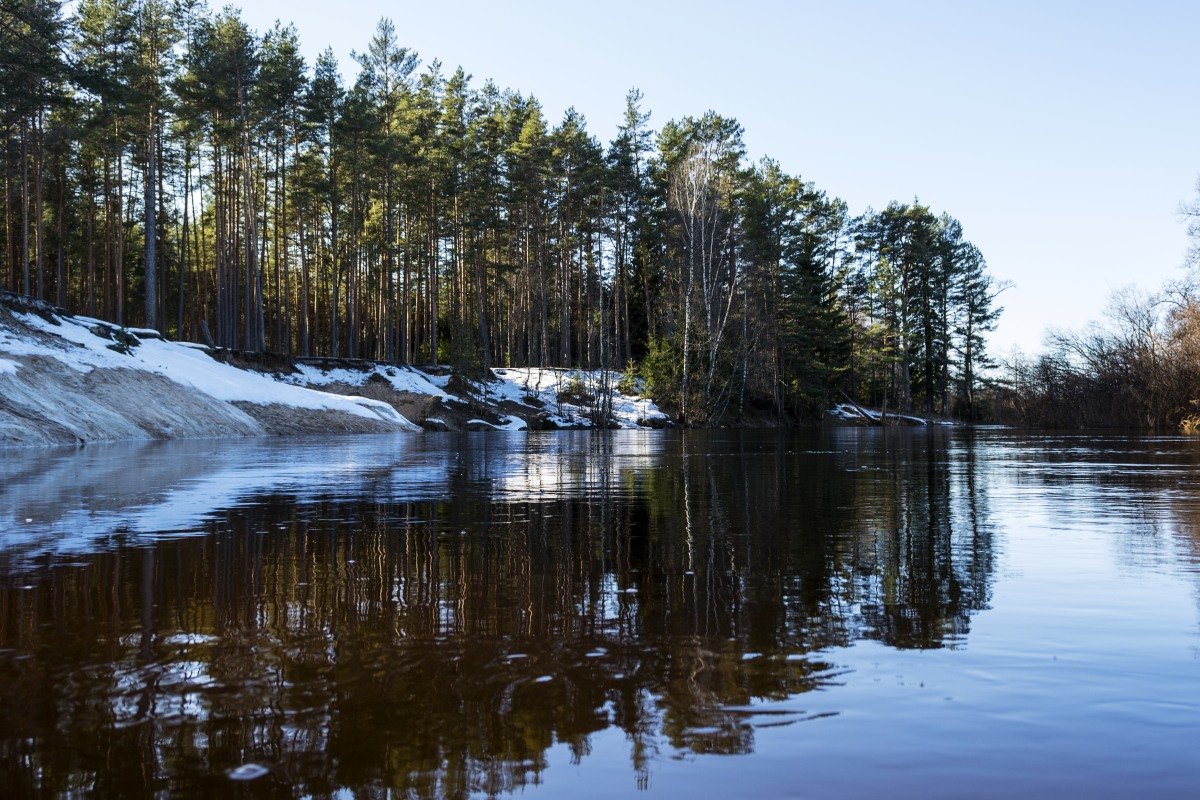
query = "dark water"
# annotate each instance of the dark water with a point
(853, 613)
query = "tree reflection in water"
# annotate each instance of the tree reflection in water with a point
(666, 586)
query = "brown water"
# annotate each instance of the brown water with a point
(849, 613)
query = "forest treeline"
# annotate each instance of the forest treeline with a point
(166, 166)
(1138, 367)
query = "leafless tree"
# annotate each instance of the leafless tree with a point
(700, 194)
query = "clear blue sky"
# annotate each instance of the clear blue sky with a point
(1062, 134)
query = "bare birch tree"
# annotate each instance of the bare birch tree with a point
(700, 192)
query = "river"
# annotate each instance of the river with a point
(679, 614)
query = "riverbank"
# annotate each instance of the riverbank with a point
(68, 379)
(855, 415)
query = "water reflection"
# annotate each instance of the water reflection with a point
(433, 614)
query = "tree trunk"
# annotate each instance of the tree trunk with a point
(39, 224)
(151, 228)
(183, 250)
(60, 272)
(119, 238)
(25, 283)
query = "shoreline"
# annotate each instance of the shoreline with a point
(73, 380)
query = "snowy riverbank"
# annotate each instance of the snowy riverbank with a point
(848, 414)
(68, 379)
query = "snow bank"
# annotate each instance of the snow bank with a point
(507, 423)
(574, 396)
(845, 412)
(72, 379)
(401, 378)
(184, 365)
(514, 396)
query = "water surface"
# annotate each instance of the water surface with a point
(850, 613)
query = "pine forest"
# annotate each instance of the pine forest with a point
(165, 166)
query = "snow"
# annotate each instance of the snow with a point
(402, 378)
(849, 413)
(80, 377)
(514, 424)
(510, 423)
(144, 333)
(74, 343)
(441, 381)
(536, 389)
(547, 387)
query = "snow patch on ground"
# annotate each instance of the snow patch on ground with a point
(508, 423)
(75, 342)
(402, 378)
(571, 395)
(565, 398)
(845, 412)
(69, 379)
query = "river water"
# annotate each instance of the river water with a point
(839, 613)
